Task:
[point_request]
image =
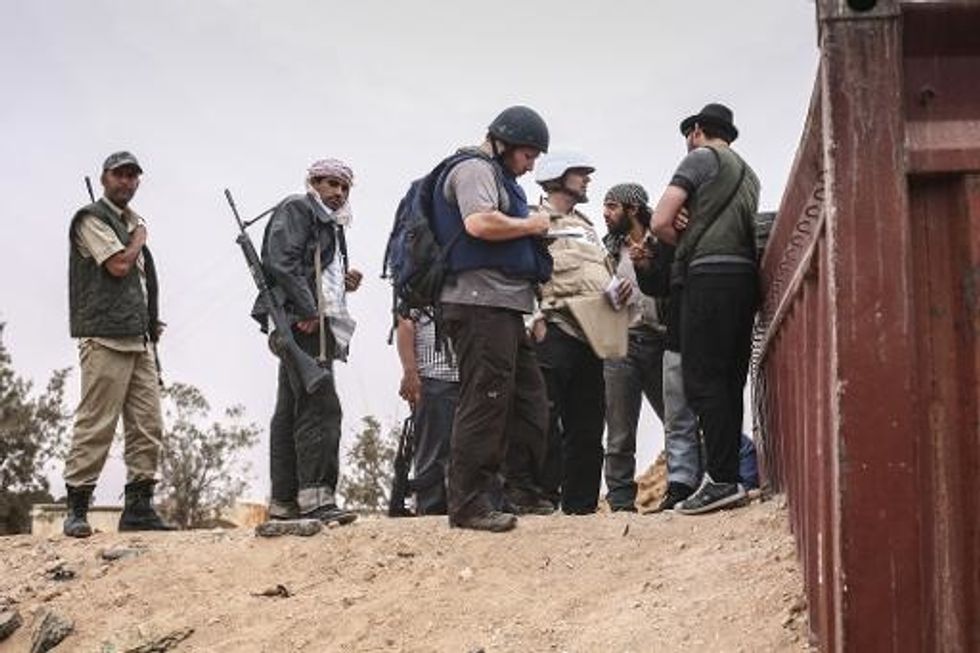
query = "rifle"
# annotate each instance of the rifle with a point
(156, 354)
(303, 370)
(400, 483)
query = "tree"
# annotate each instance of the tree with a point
(200, 466)
(367, 483)
(33, 432)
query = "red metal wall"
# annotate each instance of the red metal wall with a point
(867, 358)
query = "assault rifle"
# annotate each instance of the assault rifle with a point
(303, 370)
(401, 485)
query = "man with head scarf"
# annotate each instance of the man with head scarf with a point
(627, 214)
(304, 254)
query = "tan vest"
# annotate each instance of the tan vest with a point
(582, 266)
(574, 299)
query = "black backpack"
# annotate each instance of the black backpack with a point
(414, 260)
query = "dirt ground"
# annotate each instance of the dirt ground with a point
(604, 582)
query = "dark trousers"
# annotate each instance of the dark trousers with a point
(502, 416)
(304, 439)
(577, 409)
(716, 345)
(433, 427)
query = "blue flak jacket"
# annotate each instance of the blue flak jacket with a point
(521, 258)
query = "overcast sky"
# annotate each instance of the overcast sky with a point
(218, 93)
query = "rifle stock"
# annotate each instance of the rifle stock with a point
(303, 370)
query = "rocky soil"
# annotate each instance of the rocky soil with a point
(605, 582)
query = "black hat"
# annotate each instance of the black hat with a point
(716, 115)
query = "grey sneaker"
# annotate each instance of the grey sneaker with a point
(493, 521)
(330, 513)
(711, 496)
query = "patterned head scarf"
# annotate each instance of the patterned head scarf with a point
(338, 170)
(331, 168)
(629, 194)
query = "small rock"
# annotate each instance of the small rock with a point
(466, 574)
(119, 552)
(59, 572)
(163, 644)
(681, 545)
(299, 527)
(279, 591)
(53, 629)
(10, 621)
(405, 553)
(50, 596)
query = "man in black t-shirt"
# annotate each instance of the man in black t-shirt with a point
(715, 261)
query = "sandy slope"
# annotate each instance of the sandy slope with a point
(725, 582)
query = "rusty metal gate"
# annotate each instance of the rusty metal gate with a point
(865, 375)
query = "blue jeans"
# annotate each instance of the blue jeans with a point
(681, 440)
(628, 380)
(433, 428)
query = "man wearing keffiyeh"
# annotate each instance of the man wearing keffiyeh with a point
(304, 253)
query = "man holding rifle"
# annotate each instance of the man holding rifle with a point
(113, 312)
(304, 256)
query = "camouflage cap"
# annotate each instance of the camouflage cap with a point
(629, 193)
(120, 159)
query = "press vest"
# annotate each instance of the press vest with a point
(520, 258)
(581, 265)
(103, 305)
(731, 236)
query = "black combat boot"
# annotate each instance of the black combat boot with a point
(78, 499)
(138, 514)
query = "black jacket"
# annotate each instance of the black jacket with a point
(655, 281)
(297, 226)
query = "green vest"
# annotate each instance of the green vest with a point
(731, 235)
(102, 305)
